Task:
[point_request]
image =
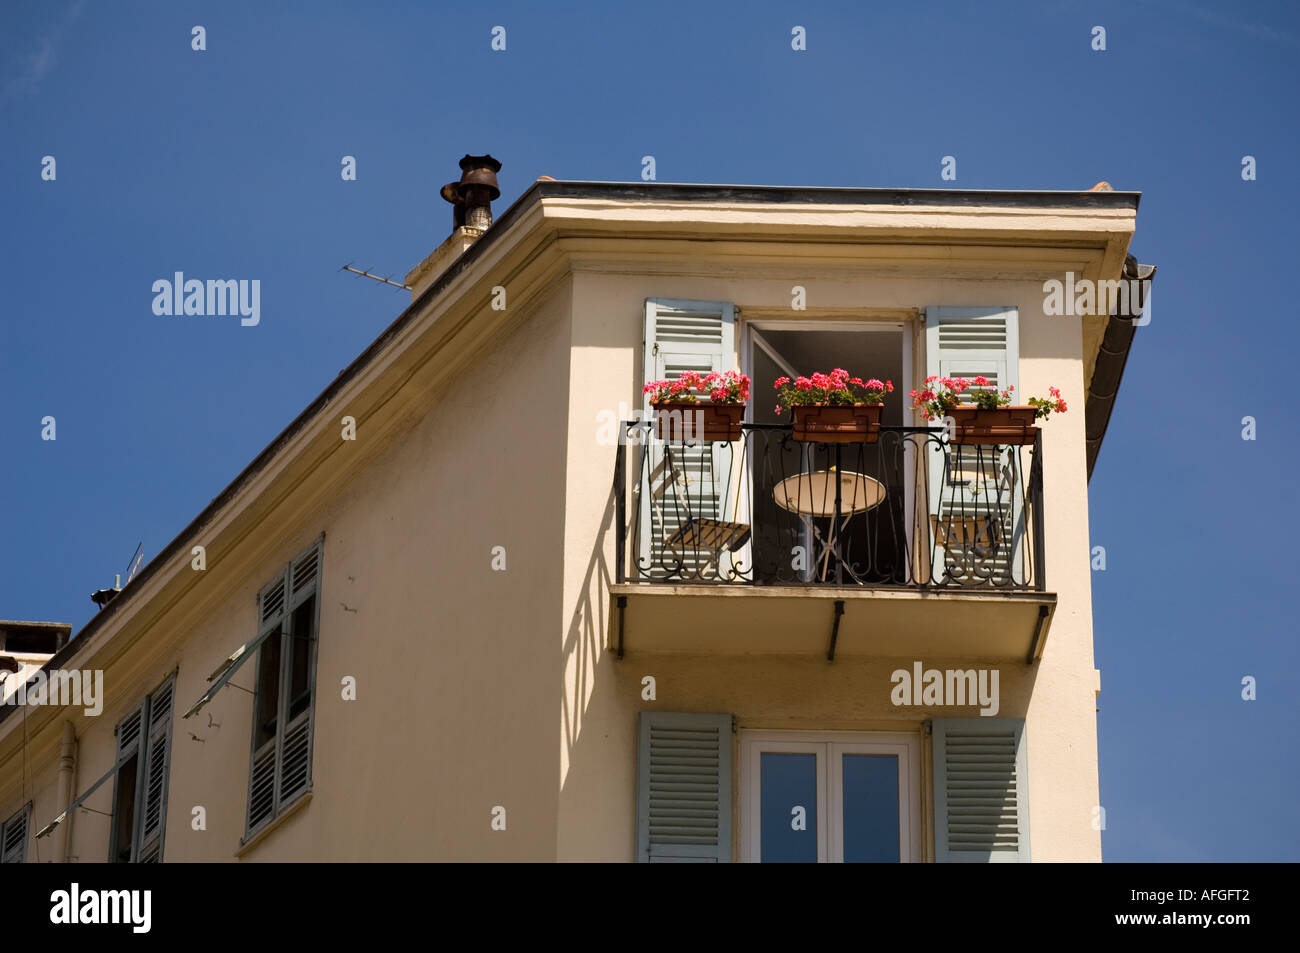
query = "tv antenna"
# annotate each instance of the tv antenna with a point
(365, 273)
(137, 560)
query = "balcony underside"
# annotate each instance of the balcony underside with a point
(887, 623)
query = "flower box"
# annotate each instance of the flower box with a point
(681, 420)
(1011, 425)
(857, 423)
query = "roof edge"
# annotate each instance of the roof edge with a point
(831, 195)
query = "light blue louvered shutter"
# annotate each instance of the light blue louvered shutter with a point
(299, 692)
(131, 732)
(976, 342)
(683, 788)
(682, 336)
(265, 755)
(289, 618)
(157, 765)
(981, 790)
(13, 837)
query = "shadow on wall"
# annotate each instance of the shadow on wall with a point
(586, 635)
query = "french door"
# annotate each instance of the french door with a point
(829, 797)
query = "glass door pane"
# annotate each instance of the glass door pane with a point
(788, 805)
(870, 806)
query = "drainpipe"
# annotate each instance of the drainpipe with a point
(67, 770)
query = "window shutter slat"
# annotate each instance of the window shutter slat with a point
(684, 788)
(981, 790)
(128, 733)
(261, 786)
(13, 837)
(160, 706)
(970, 342)
(304, 570)
(271, 601)
(295, 765)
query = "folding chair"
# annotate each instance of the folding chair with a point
(697, 535)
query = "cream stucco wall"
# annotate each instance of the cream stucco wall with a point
(603, 695)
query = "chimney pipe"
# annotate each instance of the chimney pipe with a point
(471, 197)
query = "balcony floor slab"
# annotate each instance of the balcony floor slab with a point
(792, 620)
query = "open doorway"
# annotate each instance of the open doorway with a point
(870, 544)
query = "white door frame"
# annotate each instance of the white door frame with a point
(830, 746)
(760, 324)
(747, 340)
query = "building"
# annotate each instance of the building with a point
(461, 608)
(25, 647)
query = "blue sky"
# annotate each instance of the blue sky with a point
(226, 163)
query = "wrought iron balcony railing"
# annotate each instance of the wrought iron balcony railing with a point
(912, 510)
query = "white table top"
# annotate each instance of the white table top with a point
(813, 494)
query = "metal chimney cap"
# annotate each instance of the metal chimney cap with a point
(475, 170)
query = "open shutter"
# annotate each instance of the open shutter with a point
(289, 614)
(295, 750)
(13, 837)
(979, 483)
(131, 732)
(981, 790)
(685, 480)
(684, 788)
(272, 619)
(157, 764)
(973, 342)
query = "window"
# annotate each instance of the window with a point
(13, 837)
(283, 704)
(140, 787)
(835, 796)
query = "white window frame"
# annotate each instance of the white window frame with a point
(830, 746)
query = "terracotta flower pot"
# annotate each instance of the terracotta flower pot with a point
(859, 423)
(1011, 426)
(702, 421)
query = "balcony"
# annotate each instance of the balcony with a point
(908, 546)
